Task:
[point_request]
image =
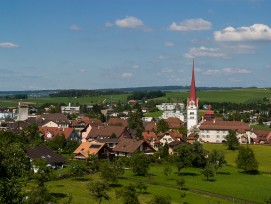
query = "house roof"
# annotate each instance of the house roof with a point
(58, 118)
(175, 144)
(117, 122)
(174, 123)
(106, 131)
(224, 125)
(44, 152)
(174, 135)
(262, 134)
(56, 131)
(88, 148)
(128, 145)
(149, 137)
(149, 126)
(108, 140)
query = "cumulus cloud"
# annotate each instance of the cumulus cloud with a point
(8, 45)
(129, 22)
(169, 44)
(204, 52)
(191, 25)
(228, 70)
(254, 32)
(126, 75)
(75, 27)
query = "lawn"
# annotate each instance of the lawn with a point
(262, 153)
(77, 188)
(260, 127)
(154, 114)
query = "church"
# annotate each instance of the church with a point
(209, 128)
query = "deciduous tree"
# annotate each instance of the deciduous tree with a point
(232, 140)
(246, 160)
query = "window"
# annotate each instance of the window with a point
(217, 131)
(191, 113)
(191, 117)
(217, 136)
(203, 136)
(208, 136)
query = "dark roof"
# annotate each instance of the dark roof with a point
(128, 145)
(44, 152)
(174, 123)
(106, 131)
(175, 144)
(108, 140)
(58, 118)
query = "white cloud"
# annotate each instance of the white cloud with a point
(108, 24)
(240, 48)
(83, 70)
(169, 44)
(204, 52)
(166, 70)
(8, 45)
(126, 75)
(129, 22)
(254, 32)
(228, 70)
(191, 25)
(75, 27)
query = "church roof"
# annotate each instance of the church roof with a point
(193, 95)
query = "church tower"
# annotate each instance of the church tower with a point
(192, 104)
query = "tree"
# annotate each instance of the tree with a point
(77, 169)
(216, 158)
(164, 151)
(43, 174)
(208, 171)
(111, 171)
(162, 126)
(140, 164)
(183, 156)
(246, 160)
(57, 143)
(160, 199)
(98, 190)
(39, 195)
(181, 183)
(232, 140)
(141, 186)
(199, 155)
(167, 170)
(128, 194)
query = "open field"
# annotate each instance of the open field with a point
(262, 153)
(235, 96)
(62, 189)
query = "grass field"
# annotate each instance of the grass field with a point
(235, 96)
(260, 127)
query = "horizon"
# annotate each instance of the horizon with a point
(63, 45)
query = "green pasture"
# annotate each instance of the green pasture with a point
(154, 114)
(77, 188)
(234, 95)
(260, 127)
(262, 153)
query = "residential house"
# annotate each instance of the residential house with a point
(215, 131)
(53, 120)
(70, 109)
(172, 146)
(169, 137)
(126, 147)
(50, 132)
(87, 149)
(51, 158)
(91, 133)
(262, 136)
(151, 138)
(150, 126)
(110, 142)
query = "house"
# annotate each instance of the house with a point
(53, 120)
(70, 109)
(126, 147)
(262, 136)
(216, 131)
(169, 137)
(91, 133)
(174, 123)
(110, 142)
(87, 149)
(51, 158)
(151, 138)
(174, 145)
(50, 132)
(150, 126)
(117, 122)
(80, 123)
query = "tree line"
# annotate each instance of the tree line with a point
(146, 95)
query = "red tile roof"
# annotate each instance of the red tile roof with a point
(150, 126)
(89, 148)
(106, 131)
(150, 136)
(174, 123)
(55, 131)
(225, 125)
(117, 122)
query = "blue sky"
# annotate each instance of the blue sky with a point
(91, 44)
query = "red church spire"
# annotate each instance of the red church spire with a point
(193, 96)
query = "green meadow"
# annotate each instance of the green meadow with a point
(234, 95)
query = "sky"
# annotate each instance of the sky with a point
(95, 44)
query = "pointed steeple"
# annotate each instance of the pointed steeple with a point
(193, 96)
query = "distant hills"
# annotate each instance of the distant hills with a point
(46, 93)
